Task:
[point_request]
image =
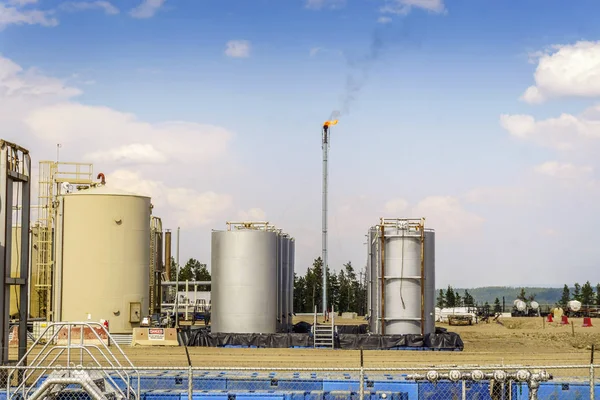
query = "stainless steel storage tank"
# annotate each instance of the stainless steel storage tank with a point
(244, 289)
(292, 262)
(102, 253)
(279, 310)
(430, 294)
(285, 244)
(403, 252)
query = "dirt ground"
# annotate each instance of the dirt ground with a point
(516, 341)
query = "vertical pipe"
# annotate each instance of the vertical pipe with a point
(24, 271)
(168, 254)
(325, 147)
(177, 284)
(422, 279)
(382, 278)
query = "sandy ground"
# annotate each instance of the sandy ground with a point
(525, 341)
(517, 341)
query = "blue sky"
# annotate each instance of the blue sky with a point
(148, 91)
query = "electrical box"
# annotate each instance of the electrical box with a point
(135, 312)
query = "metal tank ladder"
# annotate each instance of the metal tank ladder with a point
(323, 334)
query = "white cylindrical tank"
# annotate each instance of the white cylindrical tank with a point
(402, 256)
(408, 302)
(534, 305)
(574, 305)
(102, 258)
(244, 289)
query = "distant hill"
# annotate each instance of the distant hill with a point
(489, 294)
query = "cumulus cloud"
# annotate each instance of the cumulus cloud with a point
(320, 4)
(564, 132)
(445, 214)
(105, 6)
(17, 12)
(147, 9)
(187, 207)
(560, 170)
(396, 206)
(403, 7)
(253, 214)
(566, 71)
(157, 159)
(238, 48)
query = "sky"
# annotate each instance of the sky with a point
(483, 117)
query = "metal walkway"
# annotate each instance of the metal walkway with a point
(90, 365)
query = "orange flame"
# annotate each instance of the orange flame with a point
(330, 123)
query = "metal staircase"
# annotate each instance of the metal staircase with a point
(323, 334)
(103, 374)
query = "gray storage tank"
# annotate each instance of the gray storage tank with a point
(245, 289)
(292, 258)
(403, 252)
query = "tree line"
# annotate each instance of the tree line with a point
(346, 291)
(584, 294)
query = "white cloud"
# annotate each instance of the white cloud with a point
(566, 171)
(105, 6)
(238, 48)
(136, 153)
(396, 207)
(384, 20)
(564, 132)
(403, 7)
(158, 159)
(187, 207)
(147, 9)
(320, 4)
(253, 214)
(105, 130)
(446, 215)
(566, 71)
(498, 196)
(22, 3)
(14, 13)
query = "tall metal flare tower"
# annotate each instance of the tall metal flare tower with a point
(325, 147)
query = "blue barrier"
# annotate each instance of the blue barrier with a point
(221, 385)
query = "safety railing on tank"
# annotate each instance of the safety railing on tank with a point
(92, 346)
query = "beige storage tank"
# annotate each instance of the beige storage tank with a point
(102, 243)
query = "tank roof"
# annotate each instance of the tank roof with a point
(105, 190)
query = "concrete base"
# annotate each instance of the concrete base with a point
(154, 337)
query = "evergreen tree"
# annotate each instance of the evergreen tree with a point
(458, 301)
(587, 294)
(450, 297)
(598, 294)
(441, 300)
(522, 295)
(566, 296)
(577, 292)
(468, 299)
(497, 306)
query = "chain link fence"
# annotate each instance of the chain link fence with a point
(83, 382)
